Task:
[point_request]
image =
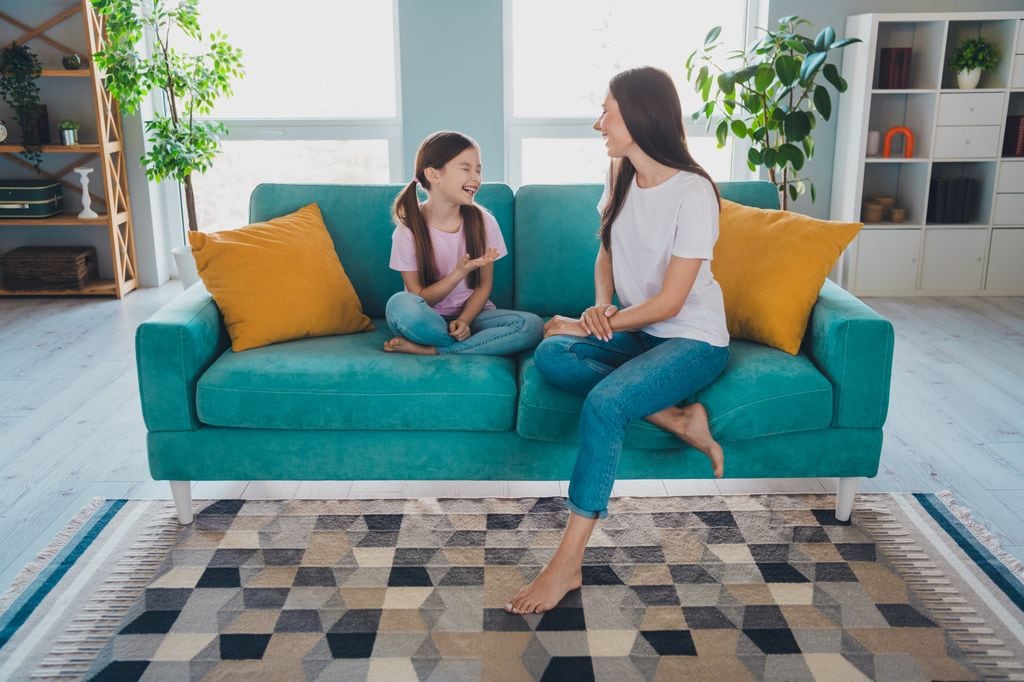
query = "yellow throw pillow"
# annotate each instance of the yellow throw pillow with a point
(278, 280)
(771, 266)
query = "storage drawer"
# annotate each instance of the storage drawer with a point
(1009, 209)
(1017, 81)
(968, 142)
(975, 109)
(1011, 177)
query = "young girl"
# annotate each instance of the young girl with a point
(659, 223)
(445, 249)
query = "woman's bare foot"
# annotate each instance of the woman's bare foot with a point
(690, 425)
(556, 580)
(400, 344)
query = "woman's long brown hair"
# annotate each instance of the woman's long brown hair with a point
(434, 152)
(650, 108)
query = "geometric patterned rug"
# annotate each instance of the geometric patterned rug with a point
(732, 587)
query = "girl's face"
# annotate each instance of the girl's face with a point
(613, 129)
(459, 180)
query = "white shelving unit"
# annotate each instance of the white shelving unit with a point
(957, 133)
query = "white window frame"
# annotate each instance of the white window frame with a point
(388, 128)
(518, 128)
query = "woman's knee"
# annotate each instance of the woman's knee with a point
(552, 353)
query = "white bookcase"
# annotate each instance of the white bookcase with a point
(956, 133)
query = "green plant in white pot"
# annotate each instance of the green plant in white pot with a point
(190, 83)
(971, 57)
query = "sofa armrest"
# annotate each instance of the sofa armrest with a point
(852, 345)
(172, 350)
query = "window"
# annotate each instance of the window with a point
(559, 57)
(319, 101)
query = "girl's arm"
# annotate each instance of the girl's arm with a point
(478, 299)
(436, 292)
(675, 287)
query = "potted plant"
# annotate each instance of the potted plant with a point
(770, 97)
(189, 82)
(19, 68)
(68, 131)
(971, 57)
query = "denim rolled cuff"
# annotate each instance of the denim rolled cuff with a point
(585, 514)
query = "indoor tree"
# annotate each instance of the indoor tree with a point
(768, 94)
(190, 82)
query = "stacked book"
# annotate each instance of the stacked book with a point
(1013, 140)
(950, 200)
(894, 68)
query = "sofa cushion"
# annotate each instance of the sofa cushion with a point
(762, 392)
(358, 218)
(349, 382)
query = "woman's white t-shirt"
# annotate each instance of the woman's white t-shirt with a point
(678, 217)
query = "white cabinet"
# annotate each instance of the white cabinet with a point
(963, 200)
(1005, 269)
(887, 259)
(953, 259)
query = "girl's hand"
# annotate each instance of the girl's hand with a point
(596, 320)
(467, 265)
(458, 330)
(564, 326)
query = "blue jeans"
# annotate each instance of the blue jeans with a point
(493, 332)
(625, 379)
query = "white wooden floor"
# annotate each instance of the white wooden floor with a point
(71, 428)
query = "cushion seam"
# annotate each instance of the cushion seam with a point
(405, 393)
(765, 399)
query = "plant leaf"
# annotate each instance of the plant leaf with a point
(843, 43)
(825, 37)
(792, 154)
(797, 126)
(754, 156)
(712, 36)
(810, 66)
(765, 76)
(739, 128)
(822, 102)
(831, 74)
(788, 69)
(721, 133)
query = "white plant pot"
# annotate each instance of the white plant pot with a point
(968, 80)
(186, 265)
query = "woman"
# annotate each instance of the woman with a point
(659, 223)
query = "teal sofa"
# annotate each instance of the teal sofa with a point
(338, 407)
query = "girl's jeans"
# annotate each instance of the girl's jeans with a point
(493, 332)
(625, 379)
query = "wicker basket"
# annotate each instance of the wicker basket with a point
(48, 267)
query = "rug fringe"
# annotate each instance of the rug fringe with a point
(983, 534)
(43, 559)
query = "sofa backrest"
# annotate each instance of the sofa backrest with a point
(358, 218)
(552, 240)
(556, 241)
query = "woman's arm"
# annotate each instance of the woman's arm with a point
(679, 277)
(604, 280)
(436, 292)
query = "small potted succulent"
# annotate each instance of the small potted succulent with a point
(971, 57)
(68, 131)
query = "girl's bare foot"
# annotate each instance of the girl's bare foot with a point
(400, 344)
(690, 425)
(556, 580)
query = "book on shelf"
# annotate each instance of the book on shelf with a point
(950, 199)
(1013, 136)
(894, 68)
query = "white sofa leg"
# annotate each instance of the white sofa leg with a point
(182, 492)
(845, 496)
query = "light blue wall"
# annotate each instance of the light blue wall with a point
(452, 76)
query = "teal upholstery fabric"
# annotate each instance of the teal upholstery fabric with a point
(172, 350)
(852, 345)
(349, 382)
(358, 218)
(216, 454)
(559, 224)
(763, 392)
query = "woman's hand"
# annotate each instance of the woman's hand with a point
(458, 330)
(467, 265)
(596, 320)
(564, 326)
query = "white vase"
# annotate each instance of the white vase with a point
(186, 265)
(968, 80)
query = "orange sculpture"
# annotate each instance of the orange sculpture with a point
(908, 143)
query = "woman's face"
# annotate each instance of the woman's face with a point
(613, 129)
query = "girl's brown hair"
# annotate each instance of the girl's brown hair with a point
(650, 109)
(434, 152)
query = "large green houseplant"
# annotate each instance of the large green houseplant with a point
(768, 95)
(19, 69)
(190, 83)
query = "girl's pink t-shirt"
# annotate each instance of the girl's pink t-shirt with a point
(448, 248)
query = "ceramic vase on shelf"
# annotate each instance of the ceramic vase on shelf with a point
(968, 80)
(87, 212)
